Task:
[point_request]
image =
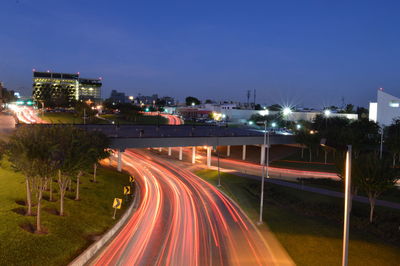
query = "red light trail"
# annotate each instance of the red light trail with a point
(182, 220)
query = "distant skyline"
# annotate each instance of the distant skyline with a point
(309, 53)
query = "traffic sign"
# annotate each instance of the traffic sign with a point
(127, 190)
(117, 203)
(131, 179)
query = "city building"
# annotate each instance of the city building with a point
(146, 100)
(169, 101)
(119, 97)
(385, 109)
(52, 86)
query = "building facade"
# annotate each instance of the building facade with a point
(56, 87)
(385, 109)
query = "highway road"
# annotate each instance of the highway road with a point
(173, 119)
(182, 220)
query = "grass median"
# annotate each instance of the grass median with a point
(309, 225)
(66, 236)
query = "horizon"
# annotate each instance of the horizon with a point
(309, 54)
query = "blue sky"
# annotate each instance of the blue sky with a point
(311, 53)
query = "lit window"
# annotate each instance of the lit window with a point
(394, 104)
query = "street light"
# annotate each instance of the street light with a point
(286, 111)
(381, 145)
(327, 112)
(266, 143)
(273, 124)
(347, 207)
(298, 126)
(193, 104)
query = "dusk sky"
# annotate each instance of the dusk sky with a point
(311, 53)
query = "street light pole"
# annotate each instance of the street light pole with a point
(266, 143)
(219, 174)
(347, 207)
(381, 145)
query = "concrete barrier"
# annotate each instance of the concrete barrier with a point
(93, 249)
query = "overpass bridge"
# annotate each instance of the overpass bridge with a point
(152, 136)
(149, 136)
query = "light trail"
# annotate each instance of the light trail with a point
(182, 220)
(26, 115)
(250, 167)
(172, 119)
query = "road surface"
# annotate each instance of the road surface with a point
(173, 119)
(182, 220)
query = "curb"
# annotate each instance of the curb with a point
(94, 248)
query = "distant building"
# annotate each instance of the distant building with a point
(146, 100)
(119, 97)
(385, 109)
(49, 86)
(169, 101)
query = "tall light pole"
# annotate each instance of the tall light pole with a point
(381, 145)
(219, 174)
(266, 143)
(347, 207)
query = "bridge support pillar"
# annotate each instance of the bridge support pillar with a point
(180, 153)
(169, 151)
(262, 159)
(119, 166)
(228, 150)
(194, 154)
(209, 156)
(244, 153)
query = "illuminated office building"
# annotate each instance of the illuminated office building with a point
(50, 86)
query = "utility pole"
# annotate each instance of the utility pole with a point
(254, 99)
(347, 207)
(219, 174)
(248, 98)
(381, 144)
(84, 116)
(266, 144)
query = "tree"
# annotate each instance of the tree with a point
(83, 109)
(362, 134)
(31, 152)
(20, 149)
(374, 176)
(349, 108)
(98, 150)
(192, 100)
(392, 139)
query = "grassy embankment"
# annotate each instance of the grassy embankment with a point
(61, 118)
(309, 225)
(295, 161)
(66, 236)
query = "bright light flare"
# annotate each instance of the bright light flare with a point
(286, 111)
(327, 112)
